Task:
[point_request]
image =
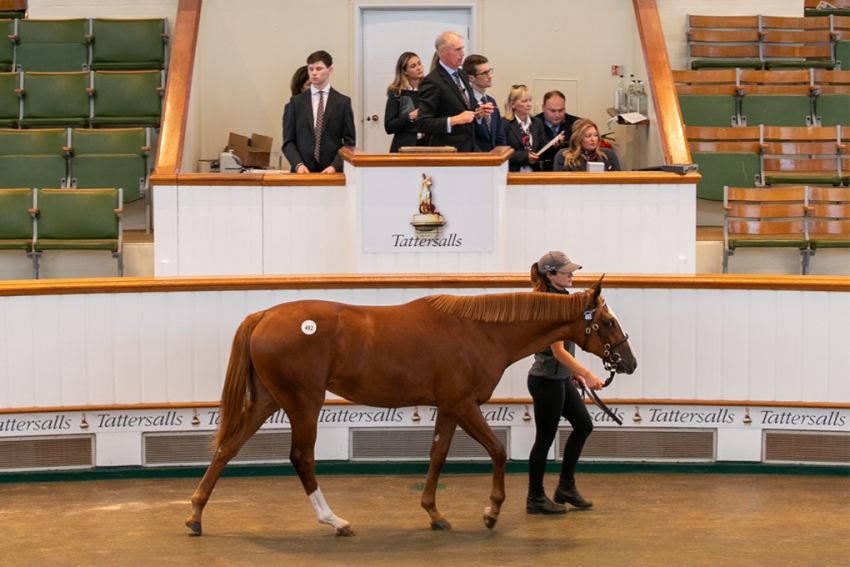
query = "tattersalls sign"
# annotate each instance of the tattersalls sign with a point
(433, 213)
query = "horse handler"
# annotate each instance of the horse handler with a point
(552, 383)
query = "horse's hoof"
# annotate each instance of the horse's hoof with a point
(194, 526)
(490, 521)
(441, 525)
(345, 531)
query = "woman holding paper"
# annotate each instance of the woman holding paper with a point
(584, 148)
(403, 101)
(523, 132)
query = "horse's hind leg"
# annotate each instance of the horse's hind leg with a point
(444, 430)
(259, 411)
(304, 418)
(476, 426)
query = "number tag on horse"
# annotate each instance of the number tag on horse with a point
(308, 327)
(588, 315)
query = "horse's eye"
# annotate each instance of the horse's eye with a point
(609, 324)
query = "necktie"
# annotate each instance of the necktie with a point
(487, 118)
(462, 90)
(320, 116)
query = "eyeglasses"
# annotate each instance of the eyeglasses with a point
(484, 73)
(519, 87)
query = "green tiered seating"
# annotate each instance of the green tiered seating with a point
(10, 102)
(127, 98)
(7, 48)
(33, 158)
(128, 44)
(110, 158)
(56, 99)
(726, 156)
(776, 98)
(52, 45)
(708, 98)
(15, 219)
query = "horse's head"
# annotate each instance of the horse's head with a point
(603, 335)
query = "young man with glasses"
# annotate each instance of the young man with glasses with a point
(489, 132)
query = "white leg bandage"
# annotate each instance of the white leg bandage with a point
(323, 512)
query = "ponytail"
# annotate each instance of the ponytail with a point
(538, 280)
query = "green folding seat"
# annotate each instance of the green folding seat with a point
(719, 169)
(52, 45)
(7, 48)
(33, 158)
(13, 14)
(127, 98)
(776, 110)
(708, 110)
(56, 99)
(833, 109)
(128, 44)
(10, 102)
(110, 158)
(15, 219)
(82, 219)
(842, 54)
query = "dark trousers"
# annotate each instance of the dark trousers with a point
(553, 399)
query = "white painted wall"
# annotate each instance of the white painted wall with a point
(44, 9)
(692, 344)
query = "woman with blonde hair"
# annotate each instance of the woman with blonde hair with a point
(403, 102)
(552, 383)
(584, 147)
(523, 132)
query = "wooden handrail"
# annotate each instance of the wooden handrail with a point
(425, 281)
(606, 178)
(668, 115)
(250, 179)
(175, 113)
(359, 158)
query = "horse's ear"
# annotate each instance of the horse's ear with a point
(596, 288)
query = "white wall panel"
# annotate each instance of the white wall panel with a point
(301, 230)
(815, 343)
(100, 348)
(789, 345)
(126, 323)
(709, 341)
(166, 244)
(220, 230)
(174, 347)
(683, 344)
(47, 368)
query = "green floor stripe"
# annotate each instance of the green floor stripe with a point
(325, 468)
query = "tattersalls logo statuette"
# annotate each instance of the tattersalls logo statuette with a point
(429, 221)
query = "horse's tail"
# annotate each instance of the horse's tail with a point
(237, 383)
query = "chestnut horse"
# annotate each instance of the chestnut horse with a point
(443, 351)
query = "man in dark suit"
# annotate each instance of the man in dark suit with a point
(320, 110)
(556, 122)
(447, 109)
(489, 132)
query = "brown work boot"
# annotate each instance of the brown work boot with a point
(538, 503)
(568, 494)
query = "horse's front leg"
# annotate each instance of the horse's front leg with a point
(473, 422)
(444, 430)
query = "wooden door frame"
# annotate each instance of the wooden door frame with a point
(359, 11)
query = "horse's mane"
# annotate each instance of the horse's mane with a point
(509, 307)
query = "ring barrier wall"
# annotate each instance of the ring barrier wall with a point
(129, 370)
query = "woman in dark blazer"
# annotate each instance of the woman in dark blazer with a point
(524, 132)
(403, 102)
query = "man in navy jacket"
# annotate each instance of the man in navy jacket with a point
(489, 132)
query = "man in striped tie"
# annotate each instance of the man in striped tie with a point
(322, 122)
(447, 108)
(489, 132)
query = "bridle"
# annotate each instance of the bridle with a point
(610, 359)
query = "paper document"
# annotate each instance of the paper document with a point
(825, 6)
(551, 143)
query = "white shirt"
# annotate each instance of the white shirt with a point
(526, 127)
(314, 95)
(462, 88)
